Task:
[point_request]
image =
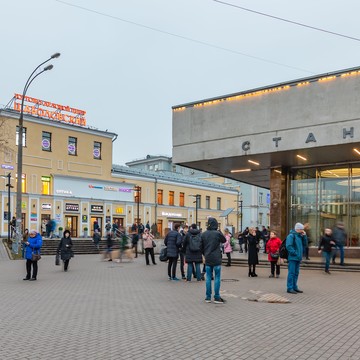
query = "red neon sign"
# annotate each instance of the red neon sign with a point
(72, 115)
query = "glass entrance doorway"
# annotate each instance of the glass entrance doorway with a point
(71, 224)
(92, 222)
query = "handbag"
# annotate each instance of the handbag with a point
(163, 254)
(274, 256)
(153, 243)
(57, 259)
(35, 257)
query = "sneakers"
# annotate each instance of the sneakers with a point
(298, 291)
(271, 276)
(175, 278)
(292, 292)
(207, 300)
(219, 301)
(327, 272)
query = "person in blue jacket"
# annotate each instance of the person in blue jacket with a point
(33, 246)
(296, 241)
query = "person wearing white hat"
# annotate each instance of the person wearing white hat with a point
(296, 241)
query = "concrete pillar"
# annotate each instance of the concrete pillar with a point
(278, 201)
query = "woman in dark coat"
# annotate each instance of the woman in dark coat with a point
(65, 249)
(253, 247)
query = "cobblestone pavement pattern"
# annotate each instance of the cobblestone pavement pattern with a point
(104, 310)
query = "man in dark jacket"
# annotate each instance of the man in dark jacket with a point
(340, 236)
(173, 241)
(192, 251)
(211, 241)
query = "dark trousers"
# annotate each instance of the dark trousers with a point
(151, 252)
(134, 246)
(182, 264)
(274, 265)
(253, 269)
(66, 264)
(172, 266)
(28, 268)
(228, 258)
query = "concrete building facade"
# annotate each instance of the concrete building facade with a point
(300, 139)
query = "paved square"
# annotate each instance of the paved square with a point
(106, 310)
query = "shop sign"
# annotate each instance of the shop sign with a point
(96, 208)
(110, 188)
(46, 206)
(63, 192)
(49, 110)
(84, 218)
(169, 214)
(71, 207)
(6, 217)
(33, 217)
(119, 210)
(108, 219)
(7, 167)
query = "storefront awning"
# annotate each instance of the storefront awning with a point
(227, 212)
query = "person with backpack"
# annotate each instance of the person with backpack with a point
(211, 239)
(326, 245)
(192, 250)
(173, 241)
(295, 243)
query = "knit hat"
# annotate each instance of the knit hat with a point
(33, 232)
(299, 226)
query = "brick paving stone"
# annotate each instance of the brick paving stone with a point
(102, 310)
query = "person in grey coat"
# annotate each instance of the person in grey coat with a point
(173, 241)
(65, 249)
(339, 235)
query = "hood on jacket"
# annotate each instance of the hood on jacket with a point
(212, 224)
(194, 231)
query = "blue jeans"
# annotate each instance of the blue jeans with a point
(293, 274)
(190, 271)
(209, 272)
(327, 257)
(341, 248)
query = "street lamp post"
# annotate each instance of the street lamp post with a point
(240, 213)
(31, 78)
(9, 186)
(197, 197)
(137, 198)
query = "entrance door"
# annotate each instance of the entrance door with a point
(160, 227)
(99, 221)
(44, 219)
(71, 224)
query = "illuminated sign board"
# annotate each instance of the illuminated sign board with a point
(71, 207)
(46, 206)
(169, 214)
(96, 208)
(49, 110)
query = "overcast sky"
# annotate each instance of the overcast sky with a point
(127, 76)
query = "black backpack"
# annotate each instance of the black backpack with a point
(194, 243)
(283, 252)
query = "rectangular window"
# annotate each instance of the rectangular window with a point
(160, 199)
(45, 185)
(208, 202)
(182, 199)
(72, 146)
(97, 150)
(218, 203)
(46, 141)
(137, 194)
(261, 198)
(171, 198)
(23, 137)
(23, 183)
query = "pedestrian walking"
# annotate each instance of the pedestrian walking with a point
(148, 246)
(253, 249)
(295, 243)
(135, 238)
(173, 241)
(96, 239)
(65, 249)
(339, 236)
(109, 245)
(211, 241)
(33, 246)
(326, 246)
(272, 249)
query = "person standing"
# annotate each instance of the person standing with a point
(265, 236)
(307, 229)
(23, 244)
(339, 236)
(33, 246)
(253, 249)
(134, 238)
(13, 226)
(272, 248)
(295, 243)
(211, 241)
(183, 233)
(109, 245)
(65, 249)
(227, 246)
(173, 241)
(148, 246)
(325, 246)
(115, 228)
(96, 239)
(192, 250)
(148, 225)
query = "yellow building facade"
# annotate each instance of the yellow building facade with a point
(68, 176)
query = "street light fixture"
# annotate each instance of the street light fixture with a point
(197, 199)
(9, 186)
(240, 214)
(31, 78)
(137, 190)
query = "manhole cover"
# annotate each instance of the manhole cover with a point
(229, 280)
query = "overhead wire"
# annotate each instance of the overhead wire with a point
(286, 20)
(184, 37)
